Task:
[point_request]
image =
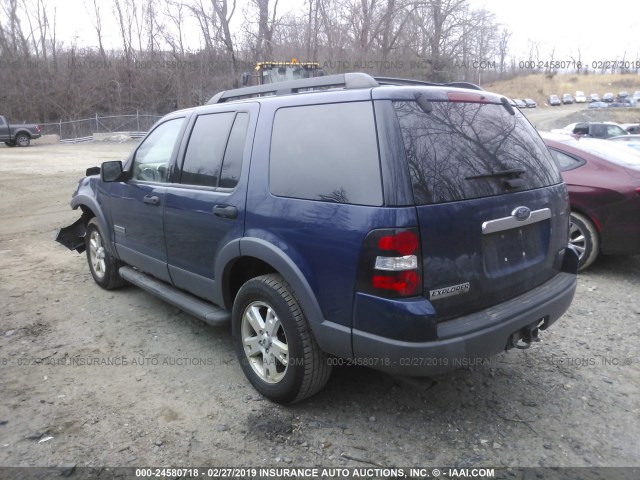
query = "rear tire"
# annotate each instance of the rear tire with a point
(274, 343)
(585, 239)
(103, 266)
(23, 140)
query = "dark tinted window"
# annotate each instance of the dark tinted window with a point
(458, 141)
(326, 152)
(203, 159)
(232, 164)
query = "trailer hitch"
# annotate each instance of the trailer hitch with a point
(523, 338)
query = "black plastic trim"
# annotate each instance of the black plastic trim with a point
(206, 312)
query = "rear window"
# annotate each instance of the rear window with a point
(327, 153)
(457, 141)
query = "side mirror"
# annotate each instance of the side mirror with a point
(111, 171)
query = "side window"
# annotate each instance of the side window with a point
(203, 158)
(151, 163)
(598, 131)
(565, 162)
(327, 153)
(1, 122)
(614, 131)
(232, 163)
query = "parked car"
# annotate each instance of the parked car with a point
(632, 141)
(604, 191)
(519, 103)
(598, 105)
(18, 135)
(623, 95)
(329, 223)
(567, 130)
(622, 103)
(608, 97)
(636, 95)
(580, 98)
(631, 127)
(594, 97)
(567, 99)
(598, 129)
(554, 100)
(530, 103)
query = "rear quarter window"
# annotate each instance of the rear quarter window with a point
(326, 153)
(456, 141)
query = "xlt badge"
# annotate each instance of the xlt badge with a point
(449, 291)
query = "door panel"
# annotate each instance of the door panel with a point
(206, 211)
(137, 205)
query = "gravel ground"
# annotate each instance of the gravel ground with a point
(96, 378)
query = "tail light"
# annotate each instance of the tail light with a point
(391, 263)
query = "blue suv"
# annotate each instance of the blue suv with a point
(400, 225)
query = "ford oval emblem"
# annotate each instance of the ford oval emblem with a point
(521, 213)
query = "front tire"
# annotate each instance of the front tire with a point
(584, 237)
(103, 265)
(23, 140)
(274, 343)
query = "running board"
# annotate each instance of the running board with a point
(206, 312)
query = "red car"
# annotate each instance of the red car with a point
(604, 192)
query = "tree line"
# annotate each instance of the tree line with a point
(155, 68)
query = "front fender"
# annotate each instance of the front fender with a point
(86, 198)
(88, 203)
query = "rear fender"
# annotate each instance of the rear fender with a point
(331, 337)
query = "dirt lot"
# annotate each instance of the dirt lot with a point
(98, 378)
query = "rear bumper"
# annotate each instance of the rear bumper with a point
(465, 340)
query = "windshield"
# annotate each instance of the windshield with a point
(283, 74)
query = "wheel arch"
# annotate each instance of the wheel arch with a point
(22, 131)
(583, 211)
(257, 257)
(265, 257)
(90, 209)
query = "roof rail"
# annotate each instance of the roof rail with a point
(346, 80)
(410, 81)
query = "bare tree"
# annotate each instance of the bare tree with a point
(503, 48)
(266, 27)
(221, 8)
(97, 25)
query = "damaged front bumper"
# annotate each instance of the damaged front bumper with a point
(72, 236)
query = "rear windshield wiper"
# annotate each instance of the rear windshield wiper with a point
(512, 172)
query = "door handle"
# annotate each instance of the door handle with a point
(151, 200)
(225, 211)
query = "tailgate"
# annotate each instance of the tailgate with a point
(478, 253)
(493, 213)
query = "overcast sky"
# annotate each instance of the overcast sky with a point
(601, 31)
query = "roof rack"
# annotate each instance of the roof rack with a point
(410, 81)
(346, 80)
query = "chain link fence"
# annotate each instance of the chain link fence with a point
(135, 125)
